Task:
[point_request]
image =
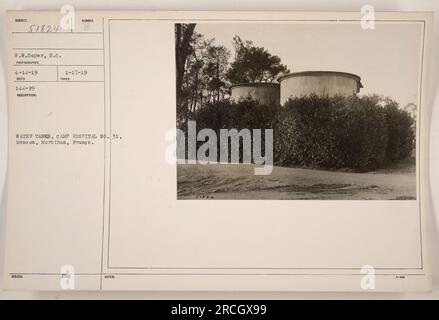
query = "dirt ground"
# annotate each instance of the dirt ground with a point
(237, 181)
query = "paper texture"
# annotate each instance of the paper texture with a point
(95, 204)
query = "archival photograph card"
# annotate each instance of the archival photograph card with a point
(249, 151)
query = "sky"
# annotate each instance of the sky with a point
(386, 58)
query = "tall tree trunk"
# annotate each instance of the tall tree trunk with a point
(183, 35)
(218, 79)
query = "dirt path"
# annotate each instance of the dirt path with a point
(237, 181)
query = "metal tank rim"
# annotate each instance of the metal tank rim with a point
(321, 73)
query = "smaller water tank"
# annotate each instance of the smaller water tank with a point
(264, 93)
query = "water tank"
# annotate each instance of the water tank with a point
(265, 93)
(329, 83)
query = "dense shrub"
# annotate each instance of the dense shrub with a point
(400, 132)
(331, 132)
(245, 114)
(307, 133)
(320, 131)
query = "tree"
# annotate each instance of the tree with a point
(183, 36)
(214, 70)
(204, 77)
(254, 64)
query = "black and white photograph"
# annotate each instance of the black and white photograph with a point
(297, 111)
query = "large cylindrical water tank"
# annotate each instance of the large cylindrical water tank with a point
(329, 83)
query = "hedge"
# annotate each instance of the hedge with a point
(321, 132)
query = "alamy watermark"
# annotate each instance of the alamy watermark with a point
(67, 22)
(368, 17)
(368, 280)
(67, 281)
(186, 148)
